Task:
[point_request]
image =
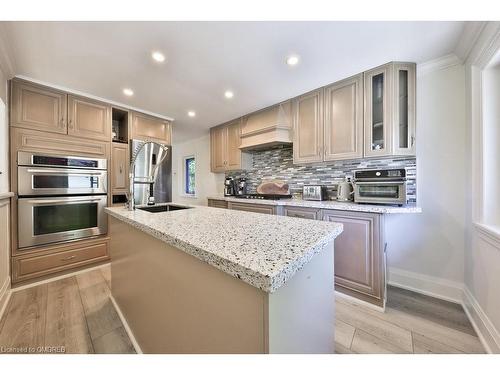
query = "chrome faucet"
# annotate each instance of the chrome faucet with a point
(131, 175)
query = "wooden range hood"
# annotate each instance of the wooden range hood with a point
(268, 127)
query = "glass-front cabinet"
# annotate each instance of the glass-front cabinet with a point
(390, 110)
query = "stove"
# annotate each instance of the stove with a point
(272, 197)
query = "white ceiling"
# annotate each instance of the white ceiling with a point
(206, 58)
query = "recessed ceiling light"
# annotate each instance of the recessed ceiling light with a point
(292, 60)
(158, 56)
(191, 113)
(229, 94)
(128, 92)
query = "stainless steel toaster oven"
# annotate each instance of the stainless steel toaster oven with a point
(381, 186)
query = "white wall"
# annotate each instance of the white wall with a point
(432, 243)
(207, 183)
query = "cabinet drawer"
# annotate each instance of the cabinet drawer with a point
(217, 203)
(303, 213)
(27, 268)
(257, 208)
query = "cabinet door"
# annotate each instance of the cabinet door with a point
(308, 128)
(233, 153)
(218, 149)
(89, 119)
(378, 115)
(302, 212)
(147, 127)
(37, 107)
(359, 266)
(119, 169)
(257, 208)
(343, 133)
(404, 109)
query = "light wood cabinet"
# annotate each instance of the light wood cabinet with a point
(119, 167)
(38, 107)
(390, 110)
(146, 127)
(302, 212)
(343, 132)
(225, 154)
(359, 255)
(251, 207)
(217, 203)
(89, 118)
(308, 128)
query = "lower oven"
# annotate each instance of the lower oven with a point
(46, 220)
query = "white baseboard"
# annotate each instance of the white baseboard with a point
(428, 285)
(5, 293)
(127, 327)
(488, 334)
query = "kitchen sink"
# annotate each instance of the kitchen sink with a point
(163, 208)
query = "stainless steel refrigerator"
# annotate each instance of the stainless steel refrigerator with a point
(146, 171)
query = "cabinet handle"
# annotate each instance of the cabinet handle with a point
(121, 169)
(412, 140)
(71, 124)
(61, 123)
(68, 258)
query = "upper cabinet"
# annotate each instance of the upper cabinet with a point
(88, 118)
(267, 127)
(37, 107)
(225, 153)
(343, 130)
(390, 110)
(146, 127)
(308, 127)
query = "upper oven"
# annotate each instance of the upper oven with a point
(40, 175)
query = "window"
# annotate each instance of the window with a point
(189, 175)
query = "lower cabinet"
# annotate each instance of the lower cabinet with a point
(250, 207)
(217, 203)
(359, 255)
(59, 258)
(302, 212)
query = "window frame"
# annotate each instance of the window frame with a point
(186, 177)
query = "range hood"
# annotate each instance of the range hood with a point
(267, 128)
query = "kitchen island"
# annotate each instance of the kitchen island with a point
(205, 280)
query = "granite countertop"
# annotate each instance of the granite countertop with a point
(5, 195)
(329, 205)
(262, 250)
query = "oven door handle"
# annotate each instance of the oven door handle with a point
(45, 171)
(50, 201)
(380, 183)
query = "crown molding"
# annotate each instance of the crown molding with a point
(468, 38)
(6, 63)
(440, 63)
(486, 45)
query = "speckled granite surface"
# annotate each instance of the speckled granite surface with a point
(262, 250)
(328, 205)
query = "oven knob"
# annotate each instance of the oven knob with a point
(377, 174)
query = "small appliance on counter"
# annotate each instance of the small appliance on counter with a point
(241, 186)
(314, 193)
(381, 186)
(345, 190)
(229, 187)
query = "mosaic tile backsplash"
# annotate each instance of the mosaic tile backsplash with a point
(277, 163)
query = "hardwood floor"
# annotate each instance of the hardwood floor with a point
(412, 323)
(76, 313)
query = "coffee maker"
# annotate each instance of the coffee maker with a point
(241, 187)
(229, 187)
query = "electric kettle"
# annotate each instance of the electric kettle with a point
(345, 191)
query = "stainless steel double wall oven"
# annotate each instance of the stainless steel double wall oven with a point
(61, 198)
